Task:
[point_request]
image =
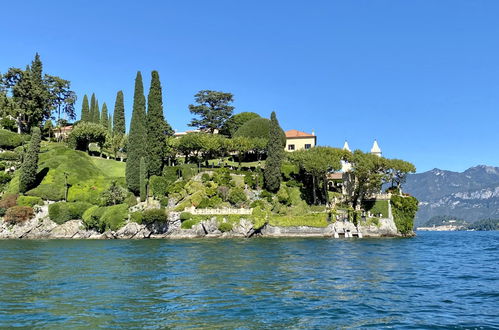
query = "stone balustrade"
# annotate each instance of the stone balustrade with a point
(221, 211)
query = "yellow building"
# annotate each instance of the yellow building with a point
(296, 140)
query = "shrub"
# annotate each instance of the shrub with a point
(170, 174)
(10, 140)
(249, 180)
(8, 201)
(188, 171)
(237, 196)
(105, 218)
(225, 227)
(223, 192)
(9, 155)
(17, 214)
(29, 201)
(2, 211)
(154, 215)
(210, 202)
(113, 195)
(288, 170)
(189, 223)
(2, 166)
(267, 195)
(136, 217)
(85, 133)
(64, 211)
(158, 185)
(131, 200)
(404, 210)
(223, 178)
(185, 216)
(164, 201)
(8, 124)
(5, 178)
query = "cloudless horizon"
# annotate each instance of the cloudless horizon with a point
(421, 77)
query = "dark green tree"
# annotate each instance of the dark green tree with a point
(233, 123)
(29, 167)
(143, 179)
(157, 127)
(85, 133)
(119, 115)
(96, 114)
(63, 99)
(275, 155)
(110, 124)
(91, 115)
(137, 137)
(104, 119)
(85, 109)
(213, 110)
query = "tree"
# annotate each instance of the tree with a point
(85, 110)
(258, 128)
(143, 179)
(119, 115)
(398, 170)
(191, 145)
(48, 128)
(136, 138)
(85, 133)
(104, 120)
(241, 145)
(62, 97)
(236, 121)
(275, 154)
(96, 113)
(29, 167)
(213, 109)
(157, 127)
(91, 115)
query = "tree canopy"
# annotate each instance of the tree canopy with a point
(236, 121)
(213, 109)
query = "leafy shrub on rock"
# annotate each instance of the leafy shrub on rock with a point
(105, 218)
(113, 195)
(225, 227)
(61, 212)
(154, 215)
(404, 210)
(237, 196)
(4, 178)
(185, 216)
(8, 201)
(158, 185)
(18, 214)
(29, 201)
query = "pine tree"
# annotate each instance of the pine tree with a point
(85, 110)
(96, 114)
(104, 119)
(29, 167)
(110, 124)
(92, 108)
(137, 137)
(275, 154)
(119, 114)
(143, 179)
(157, 128)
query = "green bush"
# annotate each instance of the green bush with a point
(61, 212)
(185, 216)
(8, 124)
(288, 170)
(237, 196)
(9, 155)
(267, 195)
(2, 211)
(131, 200)
(2, 166)
(154, 215)
(225, 227)
(5, 178)
(210, 202)
(171, 173)
(17, 214)
(189, 223)
(404, 211)
(376, 208)
(205, 177)
(10, 140)
(164, 201)
(222, 177)
(29, 201)
(136, 217)
(105, 218)
(188, 171)
(158, 185)
(8, 201)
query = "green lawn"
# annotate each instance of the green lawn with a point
(110, 167)
(310, 220)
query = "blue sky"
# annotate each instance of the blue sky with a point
(422, 77)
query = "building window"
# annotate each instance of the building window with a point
(291, 147)
(308, 146)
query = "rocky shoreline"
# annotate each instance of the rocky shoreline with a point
(41, 227)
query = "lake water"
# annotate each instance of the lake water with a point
(437, 279)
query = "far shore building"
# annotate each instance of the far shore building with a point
(297, 140)
(62, 133)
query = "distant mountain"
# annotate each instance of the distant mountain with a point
(471, 195)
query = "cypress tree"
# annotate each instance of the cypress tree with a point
(85, 110)
(136, 138)
(110, 124)
(275, 154)
(29, 167)
(143, 179)
(91, 114)
(157, 128)
(119, 114)
(104, 119)
(96, 114)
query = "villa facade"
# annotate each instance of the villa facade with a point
(297, 140)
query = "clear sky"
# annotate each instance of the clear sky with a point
(422, 77)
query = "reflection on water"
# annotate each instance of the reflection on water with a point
(439, 279)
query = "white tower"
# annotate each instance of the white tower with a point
(345, 166)
(346, 146)
(375, 150)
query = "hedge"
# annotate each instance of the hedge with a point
(10, 140)
(18, 214)
(29, 201)
(8, 201)
(158, 185)
(154, 215)
(225, 227)
(404, 211)
(9, 155)
(105, 218)
(64, 211)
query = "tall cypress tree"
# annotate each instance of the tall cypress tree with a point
(91, 113)
(157, 128)
(275, 154)
(85, 110)
(143, 179)
(110, 124)
(104, 119)
(96, 114)
(29, 166)
(119, 114)
(137, 137)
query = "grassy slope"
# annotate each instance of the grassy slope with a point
(87, 176)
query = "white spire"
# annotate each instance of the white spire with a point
(346, 146)
(375, 150)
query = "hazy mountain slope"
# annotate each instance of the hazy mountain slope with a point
(470, 195)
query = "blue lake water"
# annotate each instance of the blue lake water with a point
(437, 279)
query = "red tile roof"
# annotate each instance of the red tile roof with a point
(293, 133)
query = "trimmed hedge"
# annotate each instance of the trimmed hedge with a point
(225, 227)
(29, 201)
(64, 211)
(154, 215)
(158, 185)
(105, 218)
(9, 155)
(10, 140)
(185, 216)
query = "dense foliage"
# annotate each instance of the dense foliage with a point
(232, 124)
(119, 115)
(404, 210)
(63, 211)
(213, 110)
(275, 155)
(29, 167)
(85, 133)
